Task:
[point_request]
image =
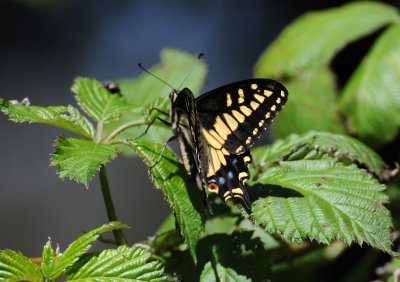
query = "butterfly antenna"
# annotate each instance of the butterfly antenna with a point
(153, 75)
(199, 56)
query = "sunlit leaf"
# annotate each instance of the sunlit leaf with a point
(182, 195)
(313, 39)
(16, 267)
(79, 159)
(371, 97)
(65, 117)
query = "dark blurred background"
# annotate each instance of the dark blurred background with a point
(46, 43)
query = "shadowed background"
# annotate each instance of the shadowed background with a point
(46, 44)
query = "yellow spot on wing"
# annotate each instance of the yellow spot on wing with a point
(254, 105)
(239, 149)
(238, 116)
(221, 128)
(216, 164)
(228, 100)
(245, 110)
(211, 140)
(232, 123)
(243, 175)
(259, 98)
(255, 131)
(241, 95)
(254, 86)
(282, 93)
(248, 140)
(267, 115)
(278, 101)
(226, 194)
(273, 108)
(221, 157)
(261, 123)
(216, 136)
(247, 159)
(237, 191)
(268, 93)
(225, 152)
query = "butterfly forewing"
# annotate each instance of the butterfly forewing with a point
(235, 115)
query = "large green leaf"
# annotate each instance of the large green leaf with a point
(123, 264)
(78, 159)
(345, 148)
(175, 68)
(182, 195)
(312, 40)
(311, 105)
(321, 199)
(97, 101)
(371, 97)
(65, 117)
(16, 267)
(79, 247)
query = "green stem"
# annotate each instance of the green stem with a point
(122, 128)
(112, 216)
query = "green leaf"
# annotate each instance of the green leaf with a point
(322, 199)
(311, 105)
(48, 259)
(312, 40)
(182, 195)
(78, 159)
(123, 264)
(345, 148)
(65, 117)
(17, 267)
(80, 246)
(371, 97)
(219, 273)
(174, 68)
(97, 101)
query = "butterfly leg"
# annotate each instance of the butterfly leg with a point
(163, 150)
(167, 123)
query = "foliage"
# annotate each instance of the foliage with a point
(316, 190)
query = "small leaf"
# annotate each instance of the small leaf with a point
(312, 40)
(174, 68)
(97, 101)
(123, 264)
(80, 246)
(312, 105)
(219, 273)
(371, 97)
(322, 199)
(182, 195)
(48, 259)
(16, 267)
(345, 148)
(65, 117)
(78, 159)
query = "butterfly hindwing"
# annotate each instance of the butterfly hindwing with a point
(235, 115)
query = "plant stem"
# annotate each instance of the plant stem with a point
(112, 216)
(122, 128)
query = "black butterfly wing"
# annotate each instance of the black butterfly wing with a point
(234, 116)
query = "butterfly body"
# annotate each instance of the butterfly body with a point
(217, 129)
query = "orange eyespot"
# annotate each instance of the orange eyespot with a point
(213, 187)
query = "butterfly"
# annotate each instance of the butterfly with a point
(217, 129)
